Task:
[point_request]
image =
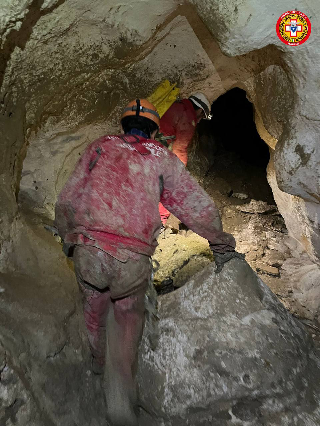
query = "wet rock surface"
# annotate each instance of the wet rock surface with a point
(45, 375)
(255, 206)
(228, 353)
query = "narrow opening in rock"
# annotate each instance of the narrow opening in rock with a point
(236, 156)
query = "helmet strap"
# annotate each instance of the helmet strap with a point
(138, 107)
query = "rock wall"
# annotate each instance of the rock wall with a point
(45, 374)
(302, 270)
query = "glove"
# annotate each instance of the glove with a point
(222, 258)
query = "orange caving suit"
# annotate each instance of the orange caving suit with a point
(180, 120)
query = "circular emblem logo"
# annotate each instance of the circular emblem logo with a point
(293, 28)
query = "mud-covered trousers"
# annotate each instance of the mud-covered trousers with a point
(113, 298)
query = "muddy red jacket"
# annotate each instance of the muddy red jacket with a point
(180, 120)
(111, 199)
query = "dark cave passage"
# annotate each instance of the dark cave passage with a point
(237, 157)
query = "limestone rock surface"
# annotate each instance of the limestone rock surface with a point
(228, 353)
(45, 374)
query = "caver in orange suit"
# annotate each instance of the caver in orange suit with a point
(180, 121)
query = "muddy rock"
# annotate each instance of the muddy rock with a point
(257, 207)
(273, 257)
(304, 278)
(223, 186)
(45, 377)
(16, 401)
(173, 222)
(228, 353)
(267, 269)
(240, 195)
(194, 265)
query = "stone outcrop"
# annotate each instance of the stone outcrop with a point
(228, 353)
(45, 372)
(302, 270)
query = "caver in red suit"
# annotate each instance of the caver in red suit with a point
(180, 121)
(108, 210)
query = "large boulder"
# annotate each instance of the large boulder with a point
(228, 353)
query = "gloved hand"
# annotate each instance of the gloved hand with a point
(222, 258)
